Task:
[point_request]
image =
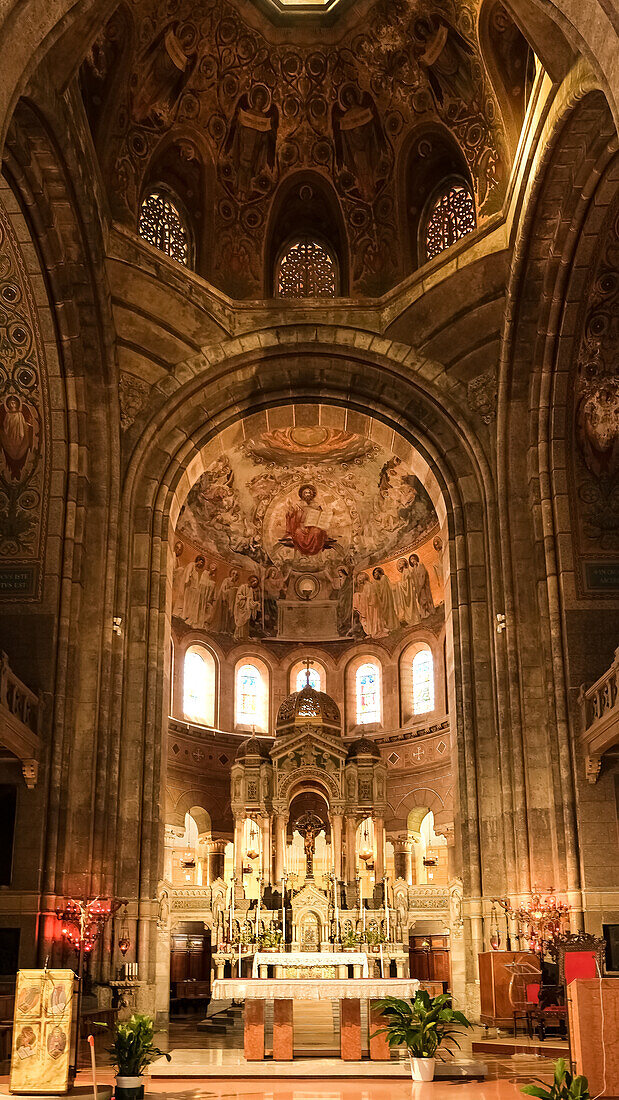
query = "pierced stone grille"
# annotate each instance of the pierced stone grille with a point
(306, 270)
(452, 216)
(162, 226)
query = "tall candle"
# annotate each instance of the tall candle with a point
(382, 963)
(258, 908)
(239, 957)
(284, 910)
(387, 907)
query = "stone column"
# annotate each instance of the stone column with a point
(216, 857)
(404, 860)
(379, 841)
(238, 849)
(336, 840)
(281, 821)
(266, 851)
(351, 838)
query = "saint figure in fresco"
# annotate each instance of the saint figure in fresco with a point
(385, 603)
(207, 594)
(16, 435)
(304, 525)
(422, 586)
(405, 595)
(246, 607)
(222, 620)
(191, 591)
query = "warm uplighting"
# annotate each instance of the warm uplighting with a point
(253, 842)
(366, 851)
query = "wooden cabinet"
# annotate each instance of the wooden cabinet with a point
(497, 1009)
(429, 959)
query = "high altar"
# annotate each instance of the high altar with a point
(308, 783)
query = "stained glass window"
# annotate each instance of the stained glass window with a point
(314, 679)
(306, 270)
(199, 686)
(423, 682)
(162, 225)
(368, 694)
(248, 689)
(452, 216)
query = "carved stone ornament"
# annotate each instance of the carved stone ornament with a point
(30, 771)
(593, 765)
(482, 395)
(133, 394)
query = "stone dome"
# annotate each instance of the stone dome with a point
(251, 747)
(308, 707)
(363, 747)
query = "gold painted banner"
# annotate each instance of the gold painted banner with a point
(41, 1050)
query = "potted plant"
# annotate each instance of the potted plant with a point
(270, 940)
(350, 940)
(132, 1052)
(564, 1086)
(374, 937)
(422, 1026)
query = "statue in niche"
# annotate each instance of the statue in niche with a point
(251, 145)
(446, 56)
(361, 149)
(166, 70)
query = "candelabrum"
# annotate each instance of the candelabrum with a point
(83, 921)
(542, 919)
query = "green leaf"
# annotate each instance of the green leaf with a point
(533, 1090)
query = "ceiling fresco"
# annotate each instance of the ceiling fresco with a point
(259, 110)
(307, 531)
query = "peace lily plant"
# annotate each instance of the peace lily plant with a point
(564, 1086)
(422, 1026)
(132, 1052)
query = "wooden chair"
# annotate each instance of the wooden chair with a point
(578, 955)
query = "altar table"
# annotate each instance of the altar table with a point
(310, 959)
(282, 991)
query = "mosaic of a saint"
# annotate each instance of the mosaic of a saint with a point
(306, 525)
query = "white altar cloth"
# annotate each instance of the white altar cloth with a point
(310, 958)
(312, 989)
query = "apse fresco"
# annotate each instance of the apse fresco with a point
(309, 532)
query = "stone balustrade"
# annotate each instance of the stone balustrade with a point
(20, 721)
(599, 706)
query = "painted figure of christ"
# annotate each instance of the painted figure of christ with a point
(304, 525)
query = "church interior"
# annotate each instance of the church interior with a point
(309, 547)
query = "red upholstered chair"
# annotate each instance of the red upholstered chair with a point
(578, 955)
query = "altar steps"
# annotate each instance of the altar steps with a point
(225, 1021)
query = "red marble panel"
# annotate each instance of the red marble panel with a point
(379, 1049)
(253, 1041)
(350, 1030)
(283, 1039)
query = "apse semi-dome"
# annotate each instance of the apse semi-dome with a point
(308, 707)
(362, 746)
(252, 747)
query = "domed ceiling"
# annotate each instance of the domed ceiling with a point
(210, 96)
(323, 532)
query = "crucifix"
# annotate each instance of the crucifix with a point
(308, 666)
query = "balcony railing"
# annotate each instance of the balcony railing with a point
(20, 721)
(599, 705)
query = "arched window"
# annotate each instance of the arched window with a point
(368, 693)
(314, 679)
(162, 225)
(199, 676)
(252, 696)
(451, 215)
(306, 269)
(423, 682)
